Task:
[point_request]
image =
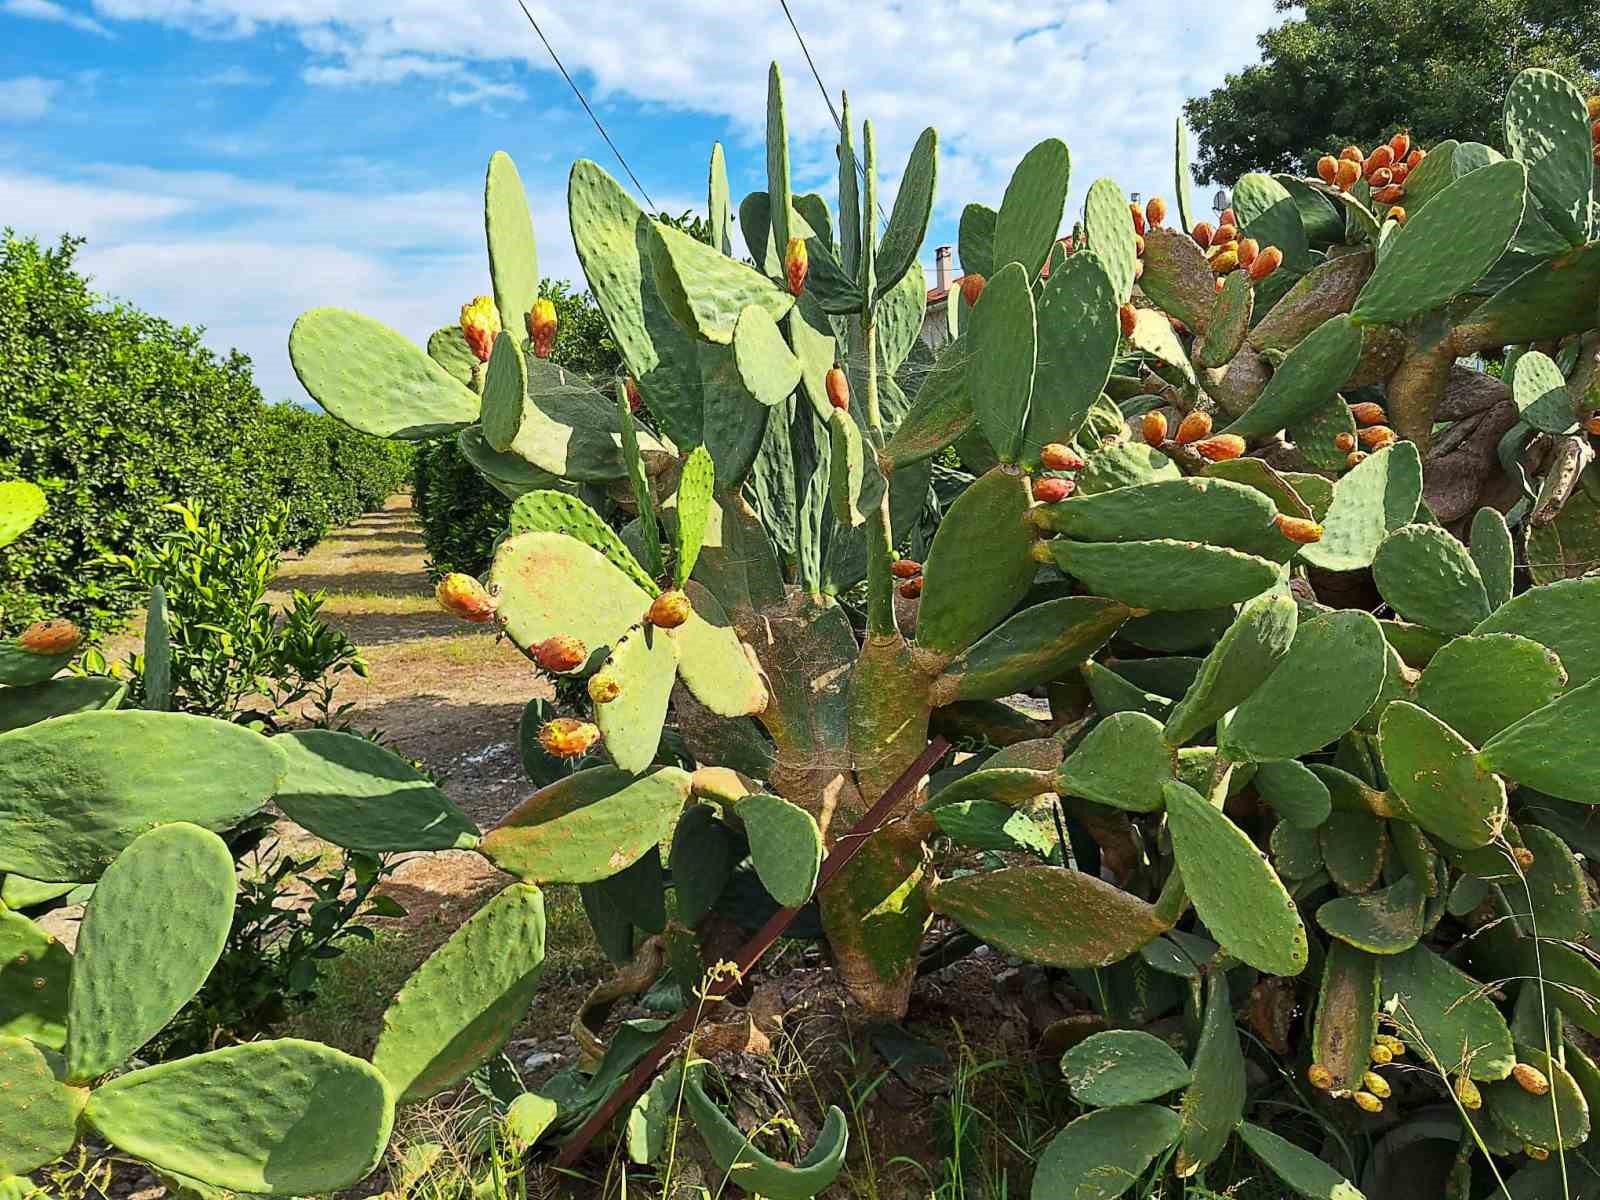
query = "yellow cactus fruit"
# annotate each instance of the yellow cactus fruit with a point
(542, 327)
(568, 737)
(1467, 1092)
(465, 597)
(1154, 428)
(796, 262)
(1367, 1102)
(1530, 1079)
(480, 325)
(1376, 1084)
(669, 610)
(561, 653)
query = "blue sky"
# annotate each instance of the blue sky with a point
(234, 162)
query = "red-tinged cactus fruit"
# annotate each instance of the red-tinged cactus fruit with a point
(1355, 458)
(1537, 1153)
(1381, 178)
(1137, 214)
(1592, 424)
(561, 653)
(1376, 437)
(1298, 530)
(1400, 146)
(1227, 218)
(55, 636)
(1224, 261)
(1397, 215)
(1389, 194)
(1193, 427)
(1129, 317)
(1154, 428)
(838, 387)
(1530, 1079)
(480, 325)
(603, 687)
(1597, 155)
(905, 568)
(972, 287)
(1347, 175)
(1155, 211)
(1594, 132)
(1398, 172)
(796, 262)
(1220, 448)
(1593, 104)
(1226, 232)
(1368, 413)
(1220, 285)
(669, 610)
(1202, 234)
(1058, 456)
(465, 597)
(542, 327)
(1050, 489)
(1248, 249)
(568, 737)
(1417, 155)
(911, 588)
(1268, 261)
(1352, 154)
(1383, 156)
(632, 386)
(1345, 442)
(1138, 245)
(1327, 168)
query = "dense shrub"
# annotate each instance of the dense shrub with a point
(115, 412)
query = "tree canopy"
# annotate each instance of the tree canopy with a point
(1359, 70)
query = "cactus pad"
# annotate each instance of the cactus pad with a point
(34, 972)
(1165, 574)
(23, 706)
(508, 227)
(1294, 792)
(505, 393)
(1040, 643)
(1348, 1002)
(1197, 509)
(644, 662)
(1299, 1170)
(1110, 233)
(704, 290)
(1214, 1102)
(1456, 1021)
(1123, 1066)
(1030, 212)
(978, 568)
(556, 512)
(1077, 344)
(1123, 762)
(1429, 579)
(1311, 375)
(1491, 549)
(1434, 775)
(1387, 921)
(1558, 1119)
(38, 1116)
(1003, 335)
(1240, 662)
(550, 584)
(1537, 750)
(1369, 503)
(785, 847)
(1547, 129)
(1558, 615)
(757, 1172)
(1102, 1154)
(1453, 687)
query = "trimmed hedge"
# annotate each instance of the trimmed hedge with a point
(114, 413)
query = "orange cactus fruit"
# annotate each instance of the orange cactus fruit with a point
(1137, 214)
(480, 325)
(1129, 317)
(796, 261)
(1154, 428)
(1376, 437)
(1398, 172)
(561, 653)
(1417, 155)
(1597, 156)
(1367, 413)
(838, 387)
(568, 737)
(542, 327)
(1327, 168)
(1060, 457)
(1355, 458)
(604, 688)
(1298, 530)
(1381, 178)
(972, 287)
(1225, 260)
(1389, 195)
(1400, 146)
(669, 610)
(632, 386)
(1594, 132)
(1226, 232)
(1248, 249)
(1594, 108)
(1530, 1079)
(1592, 424)
(911, 588)
(50, 638)
(465, 597)
(905, 568)
(1227, 218)
(1381, 157)
(1050, 489)
(1345, 442)
(1348, 173)
(1352, 154)
(1202, 234)
(1193, 427)
(1268, 261)
(1155, 212)
(1221, 447)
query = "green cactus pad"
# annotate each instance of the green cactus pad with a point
(1177, 277)
(38, 1117)
(1539, 390)
(34, 973)
(1003, 337)
(1239, 663)
(23, 706)
(975, 239)
(1558, 1119)
(374, 380)
(1315, 434)
(1233, 888)
(913, 205)
(1429, 579)
(1348, 1002)
(1296, 850)
(21, 504)
(785, 847)
(22, 668)
(1548, 301)
(509, 474)
(1445, 248)
(1154, 334)
(770, 371)
(1112, 693)
(1013, 785)
(1294, 792)
(978, 567)
(719, 669)
(152, 933)
(695, 486)
(587, 826)
(1558, 615)
(991, 825)
(1123, 1066)
(645, 663)
(1387, 921)
(845, 468)
(461, 1005)
(1229, 321)
(1040, 643)
(706, 291)
(1354, 846)
(942, 413)
(1078, 335)
(1435, 777)
(1299, 1170)
(701, 861)
(1538, 751)
(1102, 1154)
(1555, 883)
(1311, 375)
(1218, 512)
(1110, 232)
(1269, 214)
(1124, 465)
(513, 256)
(1165, 574)
(1030, 213)
(76, 791)
(1049, 915)
(358, 795)
(1171, 632)
(448, 347)
(1214, 1102)
(547, 511)
(1494, 555)
(1482, 684)
(1547, 130)
(1458, 1023)
(241, 1118)
(505, 394)
(759, 1174)
(1123, 762)
(551, 584)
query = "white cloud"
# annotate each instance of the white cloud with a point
(49, 10)
(27, 97)
(237, 77)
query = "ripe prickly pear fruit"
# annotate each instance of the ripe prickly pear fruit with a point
(796, 262)
(669, 610)
(1129, 317)
(542, 327)
(1248, 249)
(1524, 856)
(1592, 424)
(1193, 427)
(561, 653)
(1367, 413)
(1388, 195)
(1530, 1079)
(1397, 215)
(1396, 1048)
(1298, 530)
(1417, 155)
(1383, 156)
(1268, 261)
(1367, 1102)
(1203, 234)
(1467, 1092)
(568, 737)
(1347, 174)
(480, 325)
(1376, 1084)
(50, 638)
(1345, 442)
(1224, 261)
(1327, 168)
(1352, 154)
(1381, 178)
(1594, 108)
(632, 386)
(1155, 211)
(1398, 172)
(1400, 146)
(1221, 448)
(1594, 133)
(1355, 458)
(911, 588)
(1138, 245)
(1137, 214)
(1227, 232)
(972, 287)
(1321, 1078)
(1376, 437)
(838, 387)
(1227, 218)
(1597, 155)
(905, 568)
(1154, 428)
(1051, 489)
(604, 688)
(1060, 457)
(465, 597)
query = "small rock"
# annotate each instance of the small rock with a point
(540, 1059)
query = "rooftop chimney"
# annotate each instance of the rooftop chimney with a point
(941, 268)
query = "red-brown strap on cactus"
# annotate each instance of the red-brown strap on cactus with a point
(844, 849)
